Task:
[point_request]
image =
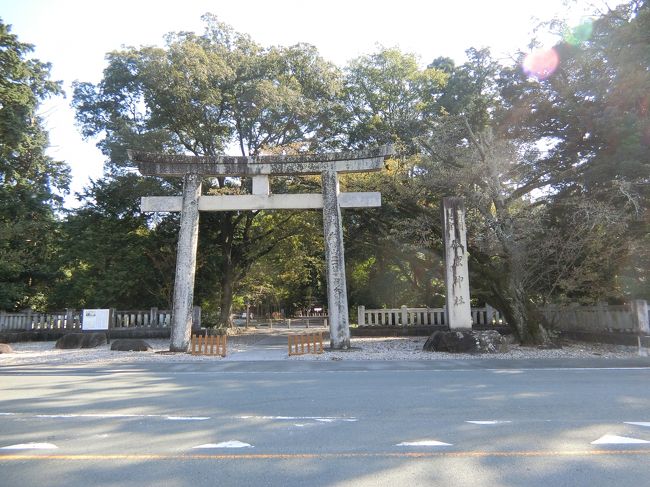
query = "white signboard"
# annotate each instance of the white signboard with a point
(96, 319)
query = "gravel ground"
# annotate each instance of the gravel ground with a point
(411, 349)
(29, 353)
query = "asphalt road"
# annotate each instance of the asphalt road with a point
(492, 423)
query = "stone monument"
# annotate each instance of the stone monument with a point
(459, 312)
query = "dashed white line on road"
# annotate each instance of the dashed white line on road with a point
(98, 416)
(187, 418)
(30, 446)
(424, 443)
(638, 423)
(109, 416)
(322, 419)
(495, 421)
(225, 444)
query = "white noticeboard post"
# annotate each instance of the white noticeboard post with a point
(96, 319)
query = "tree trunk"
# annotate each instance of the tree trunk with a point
(521, 314)
(225, 302)
(227, 276)
(519, 310)
(227, 283)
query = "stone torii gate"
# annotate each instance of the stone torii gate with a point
(193, 168)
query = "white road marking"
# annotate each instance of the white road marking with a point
(99, 416)
(30, 446)
(187, 418)
(399, 371)
(112, 416)
(226, 444)
(322, 419)
(495, 421)
(641, 423)
(617, 440)
(424, 443)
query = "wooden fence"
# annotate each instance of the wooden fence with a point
(422, 316)
(209, 345)
(71, 319)
(305, 343)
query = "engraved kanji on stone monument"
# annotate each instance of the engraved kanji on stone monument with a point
(459, 313)
(260, 168)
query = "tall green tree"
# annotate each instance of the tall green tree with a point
(554, 170)
(113, 255)
(31, 183)
(593, 110)
(393, 254)
(592, 116)
(524, 250)
(201, 95)
(390, 99)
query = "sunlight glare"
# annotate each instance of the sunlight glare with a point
(541, 64)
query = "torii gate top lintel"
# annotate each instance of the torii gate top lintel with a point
(155, 164)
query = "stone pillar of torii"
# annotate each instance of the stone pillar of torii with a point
(193, 168)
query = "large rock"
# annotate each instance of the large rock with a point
(131, 345)
(93, 340)
(489, 341)
(81, 340)
(5, 348)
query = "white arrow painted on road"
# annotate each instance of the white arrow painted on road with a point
(640, 423)
(617, 440)
(424, 443)
(30, 446)
(226, 444)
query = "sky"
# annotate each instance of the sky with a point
(75, 35)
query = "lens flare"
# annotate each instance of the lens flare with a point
(541, 64)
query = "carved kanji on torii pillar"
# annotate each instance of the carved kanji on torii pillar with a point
(193, 168)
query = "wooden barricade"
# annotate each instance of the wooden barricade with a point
(209, 345)
(306, 343)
